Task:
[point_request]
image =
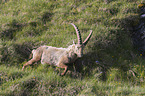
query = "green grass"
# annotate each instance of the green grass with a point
(28, 24)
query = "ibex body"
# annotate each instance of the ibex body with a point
(59, 57)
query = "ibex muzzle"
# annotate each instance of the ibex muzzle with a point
(60, 57)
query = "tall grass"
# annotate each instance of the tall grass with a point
(111, 66)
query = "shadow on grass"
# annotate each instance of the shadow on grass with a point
(115, 54)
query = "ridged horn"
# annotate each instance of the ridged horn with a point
(78, 34)
(88, 38)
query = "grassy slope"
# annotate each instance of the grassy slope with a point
(27, 24)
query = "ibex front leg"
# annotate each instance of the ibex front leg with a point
(65, 67)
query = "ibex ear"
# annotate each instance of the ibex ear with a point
(73, 42)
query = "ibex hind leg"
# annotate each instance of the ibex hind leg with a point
(36, 58)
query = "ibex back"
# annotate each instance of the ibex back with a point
(60, 57)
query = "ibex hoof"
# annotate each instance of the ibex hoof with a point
(62, 74)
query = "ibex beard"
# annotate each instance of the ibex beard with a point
(60, 57)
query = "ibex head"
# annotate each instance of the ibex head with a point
(78, 48)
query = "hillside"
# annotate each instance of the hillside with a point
(111, 65)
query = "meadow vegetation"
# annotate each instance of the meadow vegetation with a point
(111, 65)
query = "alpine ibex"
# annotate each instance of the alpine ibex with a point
(60, 57)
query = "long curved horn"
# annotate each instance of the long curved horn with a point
(78, 34)
(88, 38)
